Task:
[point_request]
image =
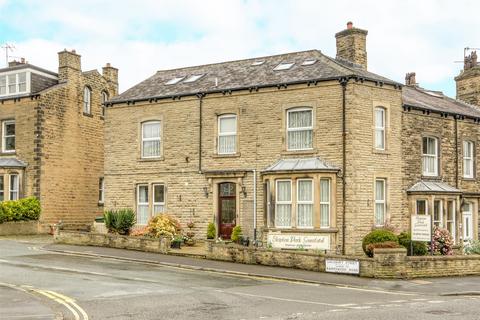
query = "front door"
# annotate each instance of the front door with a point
(227, 209)
(467, 221)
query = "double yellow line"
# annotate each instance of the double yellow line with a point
(67, 302)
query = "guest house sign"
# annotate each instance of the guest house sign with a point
(421, 227)
(299, 241)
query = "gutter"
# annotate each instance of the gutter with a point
(343, 83)
(200, 119)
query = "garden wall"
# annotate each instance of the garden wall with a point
(387, 263)
(19, 228)
(160, 245)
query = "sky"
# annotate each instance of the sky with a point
(142, 36)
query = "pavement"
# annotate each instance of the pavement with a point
(468, 285)
(42, 280)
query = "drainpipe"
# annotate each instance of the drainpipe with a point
(254, 206)
(344, 82)
(456, 151)
(200, 105)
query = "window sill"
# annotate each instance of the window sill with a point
(101, 204)
(7, 153)
(431, 177)
(233, 155)
(308, 230)
(469, 179)
(88, 115)
(382, 152)
(302, 152)
(150, 159)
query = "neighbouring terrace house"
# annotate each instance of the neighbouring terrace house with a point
(292, 147)
(52, 137)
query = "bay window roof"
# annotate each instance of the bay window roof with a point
(301, 165)
(432, 187)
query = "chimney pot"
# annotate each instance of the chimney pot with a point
(410, 79)
(349, 25)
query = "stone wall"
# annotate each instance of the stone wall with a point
(161, 245)
(19, 228)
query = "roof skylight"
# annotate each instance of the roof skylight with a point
(193, 78)
(174, 80)
(309, 62)
(258, 62)
(284, 66)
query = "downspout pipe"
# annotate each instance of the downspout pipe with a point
(456, 149)
(200, 120)
(343, 83)
(254, 206)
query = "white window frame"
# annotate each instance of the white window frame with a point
(310, 128)
(440, 222)
(101, 190)
(453, 220)
(310, 202)
(159, 138)
(277, 203)
(28, 72)
(326, 202)
(16, 189)
(380, 128)
(147, 204)
(104, 99)
(426, 206)
(227, 134)
(468, 161)
(383, 201)
(427, 155)
(19, 83)
(87, 100)
(468, 226)
(154, 185)
(4, 136)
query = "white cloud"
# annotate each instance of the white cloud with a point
(423, 36)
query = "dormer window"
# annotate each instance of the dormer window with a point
(13, 83)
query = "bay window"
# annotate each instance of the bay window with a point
(227, 134)
(468, 159)
(300, 129)
(379, 128)
(283, 208)
(305, 203)
(421, 206)
(14, 187)
(451, 221)
(438, 213)
(430, 156)
(380, 202)
(324, 203)
(151, 139)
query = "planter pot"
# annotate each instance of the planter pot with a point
(176, 245)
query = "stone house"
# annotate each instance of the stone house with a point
(299, 149)
(52, 137)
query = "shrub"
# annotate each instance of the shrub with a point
(419, 248)
(236, 234)
(386, 244)
(211, 231)
(140, 232)
(18, 210)
(163, 225)
(442, 242)
(472, 247)
(119, 221)
(377, 236)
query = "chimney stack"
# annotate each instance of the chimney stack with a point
(352, 45)
(111, 75)
(410, 79)
(69, 65)
(468, 82)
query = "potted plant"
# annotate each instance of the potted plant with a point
(236, 234)
(211, 230)
(189, 236)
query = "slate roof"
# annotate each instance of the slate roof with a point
(12, 163)
(302, 164)
(241, 74)
(435, 101)
(432, 187)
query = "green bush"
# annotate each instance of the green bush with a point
(419, 248)
(472, 247)
(377, 236)
(20, 210)
(119, 221)
(236, 234)
(211, 231)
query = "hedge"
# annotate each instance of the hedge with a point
(18, 210)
